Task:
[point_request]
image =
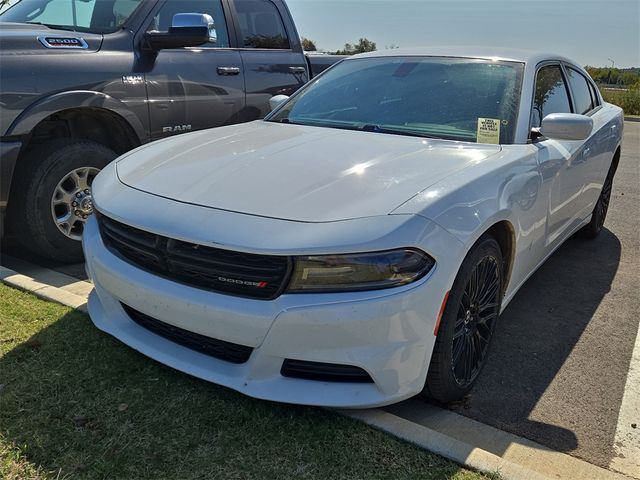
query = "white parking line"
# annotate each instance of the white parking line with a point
(627, 438)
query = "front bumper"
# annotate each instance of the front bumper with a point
(388, 333)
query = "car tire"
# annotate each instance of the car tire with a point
(467, 324)
(592, 229)
(51, 177)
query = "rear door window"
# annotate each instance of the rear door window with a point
(581, 92)
(261, 25)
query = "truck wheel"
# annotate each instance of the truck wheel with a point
(51, 197)
(467, 324)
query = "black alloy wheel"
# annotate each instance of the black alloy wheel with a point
(477, 314)
(467, 324)
(594, 227)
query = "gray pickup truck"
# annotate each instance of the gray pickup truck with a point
(83, 81)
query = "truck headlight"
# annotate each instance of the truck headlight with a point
(359, 271)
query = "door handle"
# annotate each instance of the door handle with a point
(228, 70)
(297, 70)
(586, 152)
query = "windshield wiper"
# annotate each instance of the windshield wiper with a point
(394, 131)
(67, 28)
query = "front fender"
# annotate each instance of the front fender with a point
(47, 106)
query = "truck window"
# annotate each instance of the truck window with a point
(261, 25)
(162, 21)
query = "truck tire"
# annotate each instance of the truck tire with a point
(51, 196)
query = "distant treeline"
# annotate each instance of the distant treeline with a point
(626, 77)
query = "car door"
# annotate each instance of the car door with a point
(562, 162)
(272, 56)
(199, 87)
(596, 149)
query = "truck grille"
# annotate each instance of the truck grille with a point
(261, 277)
(229, 352)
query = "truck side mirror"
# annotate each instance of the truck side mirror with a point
(187, 30)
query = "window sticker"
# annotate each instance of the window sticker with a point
(488, 130)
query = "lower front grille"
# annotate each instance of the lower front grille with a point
(229, 352)
(324, 372)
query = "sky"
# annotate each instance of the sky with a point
(591, 32)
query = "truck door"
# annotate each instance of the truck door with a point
(198, 87)
(273, 60)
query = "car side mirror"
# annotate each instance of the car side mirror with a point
(187, 30)
(566, 126)
(275, 102)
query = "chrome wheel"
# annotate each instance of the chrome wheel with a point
(71, 203)
(478, 311)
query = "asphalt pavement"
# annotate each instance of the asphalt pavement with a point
(559, 363)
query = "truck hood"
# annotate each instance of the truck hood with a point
(292, 172)
(23, 38)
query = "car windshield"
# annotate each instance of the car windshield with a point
(452, 98)
(95, 16)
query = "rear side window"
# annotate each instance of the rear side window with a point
(581, 91)
(261, 25)
(594, 95)
(162, 21)
(550, 95)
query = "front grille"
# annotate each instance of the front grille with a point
(261, 277)
(324, 372)
(229, 352)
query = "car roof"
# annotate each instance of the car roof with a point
(485, 53)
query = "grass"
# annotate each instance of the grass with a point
(628, 100)
(75, 403)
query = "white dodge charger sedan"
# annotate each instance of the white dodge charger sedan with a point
(357, 246)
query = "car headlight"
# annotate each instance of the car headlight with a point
(359, 271)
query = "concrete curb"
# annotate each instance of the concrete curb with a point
(479, 446)
(632, 119)
(445, 433)
(43, 290)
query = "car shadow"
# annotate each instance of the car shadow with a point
(531, 385)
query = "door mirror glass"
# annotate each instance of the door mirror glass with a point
(566, 126)
(276, 101)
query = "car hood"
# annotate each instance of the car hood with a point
(23, 38)
(292, 172)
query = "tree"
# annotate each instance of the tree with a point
(363, 45)
(308, 45)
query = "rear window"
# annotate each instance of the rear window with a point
(261, 25)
